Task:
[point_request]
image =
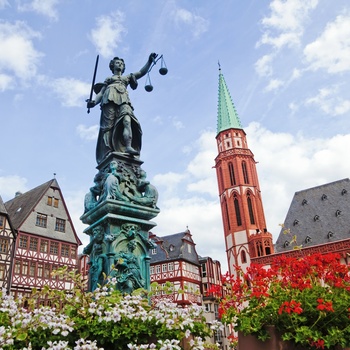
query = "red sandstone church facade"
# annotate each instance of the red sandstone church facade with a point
(245, 230)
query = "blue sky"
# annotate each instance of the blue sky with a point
(286, 64)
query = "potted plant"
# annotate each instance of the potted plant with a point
(306, 299)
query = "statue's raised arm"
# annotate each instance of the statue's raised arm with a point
(143, 71)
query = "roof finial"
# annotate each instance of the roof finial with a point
(54, 175)
(219, 65)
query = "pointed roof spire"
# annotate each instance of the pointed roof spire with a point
(227, 114)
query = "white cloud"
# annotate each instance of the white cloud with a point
(331, 50)
(290, 163)
(274, 84)
(177, 123)
(263, 66)
(71, 92)
(293, 107)
(75, 205)
(108, 33)
(42, 7)
(329, 101)
(285, 25)
(88, 132)
(6, 82)
(169, 182)
(17, 53)
(203, 218)
(197, 24)
(158, 120)
(288, 15)
(296, 74)
(10, 184)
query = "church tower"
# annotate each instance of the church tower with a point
(246, 235)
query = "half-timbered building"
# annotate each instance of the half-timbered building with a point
(46, 238)
(175, 260)
(7, 245)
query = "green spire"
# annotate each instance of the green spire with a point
(227, 114)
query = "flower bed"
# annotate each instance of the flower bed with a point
(104, 319)
(307, 299)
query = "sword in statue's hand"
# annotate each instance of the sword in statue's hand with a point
(92, 85)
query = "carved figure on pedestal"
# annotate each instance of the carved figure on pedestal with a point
(132, 231)
(128, 274)
(98, 260)
(112, 184)
(149, 191)
(93, 196)
(120, 131)
(122, 183)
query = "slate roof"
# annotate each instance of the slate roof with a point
(21, 206)
(175, 247)
(2, 207)
(317, 216)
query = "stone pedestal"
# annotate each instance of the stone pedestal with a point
(119, 209)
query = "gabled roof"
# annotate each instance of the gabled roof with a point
(227, 114)
(2, 207)
(20, 207)
(317, 215)
(175, 247)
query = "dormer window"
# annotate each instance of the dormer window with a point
(316, 218)
(344, 191)
(286, 244)
(171, 248)
(338, 213)
(324, 197)
(330, 234)
(307, 239)
(304, 202)
(296, 222)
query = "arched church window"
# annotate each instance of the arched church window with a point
(250, 209)
(259, 248)
(243, 257)
(245, 172)
(232, 174)
(237, 211)
(221, 181)
(227, 215)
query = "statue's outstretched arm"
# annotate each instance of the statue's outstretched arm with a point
(143, 71)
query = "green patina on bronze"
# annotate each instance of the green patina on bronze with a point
(121, 204)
